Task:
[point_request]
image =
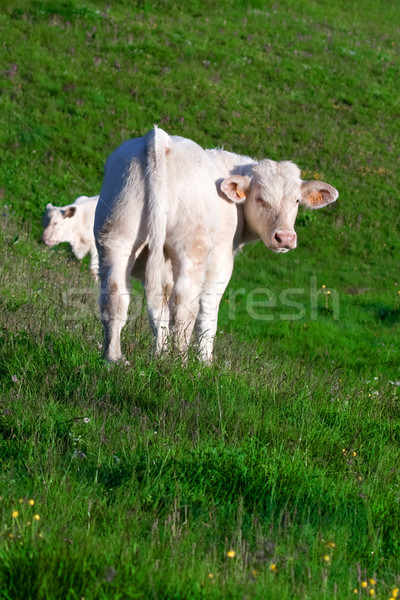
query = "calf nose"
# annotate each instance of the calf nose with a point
(285, 239)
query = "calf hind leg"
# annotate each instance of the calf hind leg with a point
(158, 300)
(114, 299)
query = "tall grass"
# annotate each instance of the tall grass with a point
(272, 473)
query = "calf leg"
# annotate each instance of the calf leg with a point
(185, 305)
(158, 308)
(115, 269)
(94, 262)
(217, 278)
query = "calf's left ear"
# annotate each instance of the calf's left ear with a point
(236, 188)
(69, 212)
(316, 194)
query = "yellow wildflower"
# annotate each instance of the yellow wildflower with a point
(211, 576)
(231, 554)
(364, 584)
(14, 514)
(354, 453)
(273, 568)
(31, 502)
(327, 558)
(372, 581)
(331, 544)
(36, 517)
(395, 592)
(372, 592)
(355, 591)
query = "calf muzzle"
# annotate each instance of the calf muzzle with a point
(285, 239)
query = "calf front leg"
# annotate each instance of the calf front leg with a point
(94, 263)
(217, 278)
(185, 307)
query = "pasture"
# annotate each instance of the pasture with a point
(274, 472)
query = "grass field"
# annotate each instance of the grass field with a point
(273, 473)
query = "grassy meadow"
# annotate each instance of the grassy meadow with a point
(274, 473)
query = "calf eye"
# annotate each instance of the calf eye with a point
(260, 201)
(298, 200)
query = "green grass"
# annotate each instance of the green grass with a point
(145, 474)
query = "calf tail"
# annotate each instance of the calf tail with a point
(157, 149)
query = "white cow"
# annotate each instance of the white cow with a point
(191, 209)
(73, 224)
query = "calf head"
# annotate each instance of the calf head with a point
(57, 224)
(271, 195)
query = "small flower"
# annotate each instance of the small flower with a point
(28, 523)
(21, 500)
(10, 535)
(273, 568)
(231, 554)
(14, 378)
(395, 592)
(254, 573)
(327, 558)
(364, 584)
(36, 517)
(211, 576)
(331, 544)
(355, 591)
(86, 420)
(372, 581)
(354, 453)
(324, 286)
(31, 502)
(14, 514)
(372, 592)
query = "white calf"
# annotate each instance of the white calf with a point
(191, 209)
(73, 224)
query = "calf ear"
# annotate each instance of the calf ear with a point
(69, 212)
(316, 194)
(236, 188)
(48, 206)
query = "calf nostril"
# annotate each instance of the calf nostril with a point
(278, 238)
